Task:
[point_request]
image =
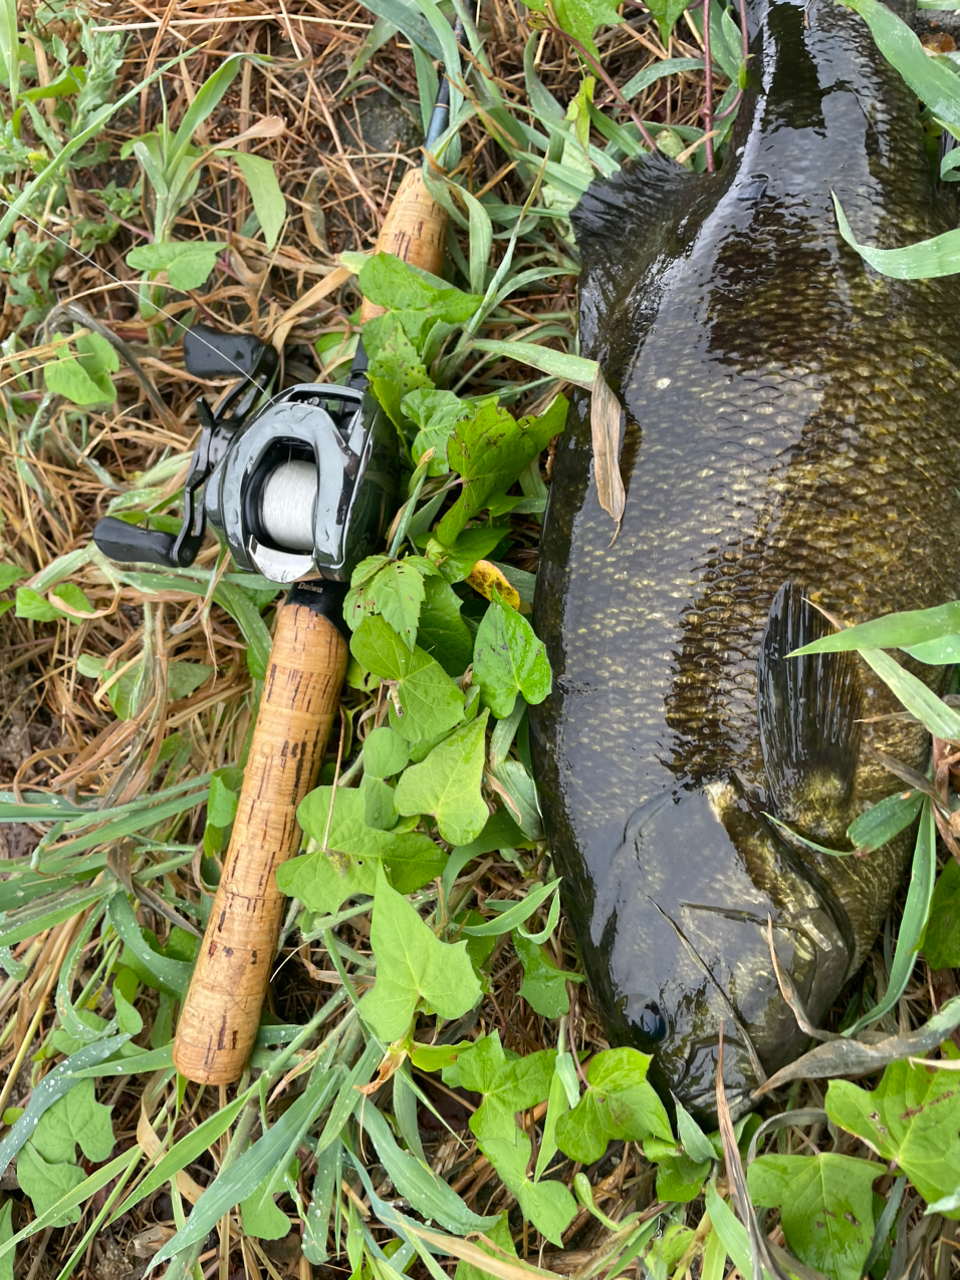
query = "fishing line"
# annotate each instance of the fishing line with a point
(130, 288)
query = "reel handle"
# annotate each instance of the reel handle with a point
(221, 1014)
(133, 544)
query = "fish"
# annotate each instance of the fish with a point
(787, 451)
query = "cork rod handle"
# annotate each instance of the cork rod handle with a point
(414, 230)
(221, 1014)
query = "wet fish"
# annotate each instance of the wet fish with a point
(789, 441)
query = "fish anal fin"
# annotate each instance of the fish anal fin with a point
(809, 710)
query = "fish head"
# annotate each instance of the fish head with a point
(712, 922)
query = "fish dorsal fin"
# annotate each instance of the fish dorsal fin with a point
(809, 711)
(623, 224)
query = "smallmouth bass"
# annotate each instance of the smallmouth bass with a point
(788, 443)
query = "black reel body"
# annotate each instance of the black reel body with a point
(301, 487)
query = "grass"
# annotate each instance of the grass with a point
(129, 694)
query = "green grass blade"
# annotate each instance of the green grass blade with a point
(275, 1148)
(10, 49)
(171, 976)
(938, 256)
(891, 631)
(914, 921)
(932, 79)
(197, 1142)
(407, 18)
(514, 915)
(559, 365)
(98, 120)
(428, 1194)
(29, 924)
(931, 711)
(206, 101)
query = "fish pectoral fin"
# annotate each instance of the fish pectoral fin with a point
(809, 711)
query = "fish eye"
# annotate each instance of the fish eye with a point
(652, 1022)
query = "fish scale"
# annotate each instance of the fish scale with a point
(788, 438)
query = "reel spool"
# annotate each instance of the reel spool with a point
(299, 488)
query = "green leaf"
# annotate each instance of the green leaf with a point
(430, 703)
(941, 942)
(268, 202)
(695, 1142)
(912, 1117)
(413, 965)
(508, 1086)
(323, 881)
(489, 451)
(442, 632)
(680, 1179)
(223, 796)
(85, 378)
(184, 678)
(509, 659)
(32, 605)
(435, 413)
(384, 753)
(397, 592)
(544, 986)
(580, 18)
(395, 367)
(187, 263)
(619, 1103)
(261, 1215)
(548, 1205)
(456, 561)
(9, 574)
(447, 785)
(390, 282)
(826, 1207)
(75, 1118)
(45, 1182)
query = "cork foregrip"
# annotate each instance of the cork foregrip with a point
(414, 230)
(221, 1014)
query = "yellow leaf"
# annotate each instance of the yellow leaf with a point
(485, 577)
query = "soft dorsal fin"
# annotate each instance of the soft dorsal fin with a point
(623, 224)
(809, 711)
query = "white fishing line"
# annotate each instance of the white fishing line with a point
(287, 505)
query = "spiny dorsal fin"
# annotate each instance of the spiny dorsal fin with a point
(621, 224)
(809, 711)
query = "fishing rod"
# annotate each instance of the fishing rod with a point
(300, 491)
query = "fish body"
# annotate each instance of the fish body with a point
(789, 441)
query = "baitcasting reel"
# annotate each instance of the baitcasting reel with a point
(300, 487)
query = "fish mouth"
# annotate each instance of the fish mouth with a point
(698, 1089)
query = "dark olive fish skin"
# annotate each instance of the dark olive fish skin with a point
(789, 437)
